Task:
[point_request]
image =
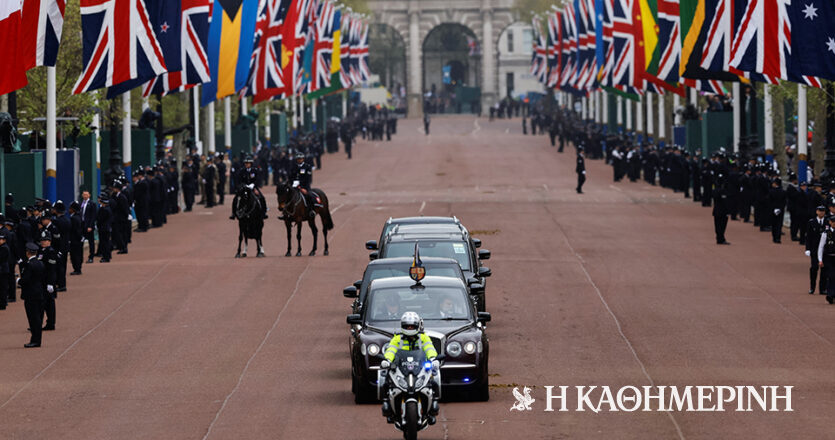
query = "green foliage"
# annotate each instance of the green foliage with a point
(31, 100)
(360, 6)
(528, 8)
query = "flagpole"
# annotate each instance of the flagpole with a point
(51, 151)
(126, 142)
(769, 122)
(244, 106)
(676, 105)
(629, 126)
(97, 148)
(736, 115)
(604, 118)
(619, 100)
(650, 116)
(639, 115)
(295, 110)
(301, 113)
(802, 124)
(268, 128)
(195, 99)
(694, 98)
(662, 127)
(227, 123)
(211, 135)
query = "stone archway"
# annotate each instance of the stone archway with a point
(414, 19)
(451, 63)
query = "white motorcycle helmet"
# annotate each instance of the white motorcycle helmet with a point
(410, 323)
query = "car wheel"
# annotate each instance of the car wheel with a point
(365, 393)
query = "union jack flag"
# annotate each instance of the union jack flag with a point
(295, 45)
(345, 51)
(569, 46)
(324, 46)
(43, 19)
(356, 35)
(554, 52)
(539, 63)
(362, 53)
(627, 57)
(121, 41)
(267, 74)
(669, 40)
(194, 24)
(762, 41)
(586, 75)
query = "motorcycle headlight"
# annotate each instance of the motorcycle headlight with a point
(453, 349)
(419, 382)
(469, 347)
(373, 349)
(402, 382)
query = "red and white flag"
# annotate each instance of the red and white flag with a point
(13, 71)
(43, 22)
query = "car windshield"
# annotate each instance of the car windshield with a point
(456, 250)
(389, 304)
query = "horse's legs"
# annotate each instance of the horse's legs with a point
(246, 246)
(299, 238)
(315, 231)
(240, 239)
(325, 236)
(289, 227)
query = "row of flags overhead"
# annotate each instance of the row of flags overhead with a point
(267, 49)
(639, 46)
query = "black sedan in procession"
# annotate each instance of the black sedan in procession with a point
(399, 267)
(391, 223)
(449, 319)
(446, 242)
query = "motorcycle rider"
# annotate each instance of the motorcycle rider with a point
(411, 337)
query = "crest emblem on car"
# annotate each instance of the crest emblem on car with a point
(417, 272)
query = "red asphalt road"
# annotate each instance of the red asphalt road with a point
(619, 286)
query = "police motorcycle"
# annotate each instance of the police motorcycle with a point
(410, 390)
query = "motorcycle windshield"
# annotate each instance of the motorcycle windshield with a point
(410, 362)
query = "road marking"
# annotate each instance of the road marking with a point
(545, 186)
(477, 127)
(82, 337)
(337, 208)
(615, 188)
(422, 205)
(614, 317)
(263, 342)
(257, 350)
(507, 130)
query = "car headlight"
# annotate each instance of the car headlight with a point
(453, 349)
(373, 349)
(469, 347)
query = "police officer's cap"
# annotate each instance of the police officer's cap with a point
(803, 183)
(8, 223)
(9, 198)
(75, 206)
(817, 185)
(46, 235)
(820, 208)
(32, 247)
(59, 206)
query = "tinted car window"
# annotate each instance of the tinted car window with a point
(389, 304)
(456, 250)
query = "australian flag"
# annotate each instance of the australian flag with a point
(813, 38)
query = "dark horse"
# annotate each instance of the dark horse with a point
(296, 211)
(250, 215)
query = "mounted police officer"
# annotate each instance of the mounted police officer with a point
(248, 175)
(302, 178)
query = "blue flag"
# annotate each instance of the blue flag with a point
(164, 20)
(813, 38)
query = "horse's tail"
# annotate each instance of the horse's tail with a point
(327, 220)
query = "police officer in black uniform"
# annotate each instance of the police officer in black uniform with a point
(49, 257)
(826, 258)
(104, 224)
(814, 229)
(777, 207)
(221, 178)
(302, 178)
(721, 209)
(62, 243)
(248, 175)
(189, 186)
(141, 200)
(76, 238)
(33, 292)
(121, 212)
(580, 169)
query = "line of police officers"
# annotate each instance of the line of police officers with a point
(732, 187)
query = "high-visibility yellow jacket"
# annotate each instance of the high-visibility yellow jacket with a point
(400, 343)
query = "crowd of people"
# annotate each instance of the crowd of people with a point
(38, 240)
(735, 188)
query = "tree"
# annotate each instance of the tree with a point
(31, 99)
(528, 8)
